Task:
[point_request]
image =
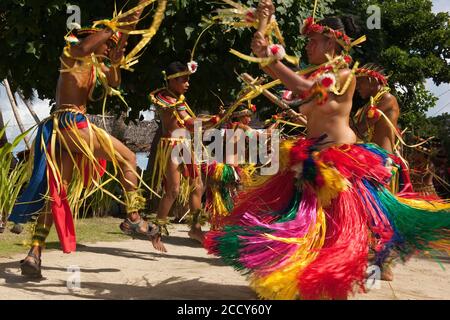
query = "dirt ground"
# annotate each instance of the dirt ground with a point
(131, 269)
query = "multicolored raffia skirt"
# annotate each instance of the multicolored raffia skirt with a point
(223, 182)
(306, 232)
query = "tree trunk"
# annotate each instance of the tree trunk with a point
(15, 110)
(30, 108)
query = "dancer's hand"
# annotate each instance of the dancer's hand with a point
(265, 10)
(116, 54)
(291, 114)
(222, 112)
(259, 45)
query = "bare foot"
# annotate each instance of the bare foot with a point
(158, 244)
(140, 227)
(197, 234)
(387, 274)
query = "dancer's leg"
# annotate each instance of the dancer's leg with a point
(195, 204)
(127, 163)
(31, 265)
(172, 180)
(127, 158)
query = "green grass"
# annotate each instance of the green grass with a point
(87, 230)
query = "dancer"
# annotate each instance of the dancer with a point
(307, 231)
(184, 179)
(376, 122)
(225, 179)
(423, 170)
(373, 84)
(70, 152)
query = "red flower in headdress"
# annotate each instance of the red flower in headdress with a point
(346, 39)
(316, 28)
(253, 107)
(379, 77)
(307, 25)
(192, 66)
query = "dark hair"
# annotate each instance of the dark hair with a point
(175, 67)
(344, 24)
(82, 33)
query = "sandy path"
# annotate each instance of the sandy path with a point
(133, 270)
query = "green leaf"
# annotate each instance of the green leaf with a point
(30, 48)
(188, 31)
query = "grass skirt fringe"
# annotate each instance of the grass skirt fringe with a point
(306, 232)
(222, 184)
(50, 145)
(163, 156)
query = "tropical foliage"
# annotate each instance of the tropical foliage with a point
(12, 177)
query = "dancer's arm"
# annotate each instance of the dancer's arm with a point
(277, 69)
(124, 37)
(386, 139)
(112, 74)
(188, 121)
(116, 54)
(91, 43)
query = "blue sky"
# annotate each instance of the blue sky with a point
(442, 91)
(441, 5)
(42, 109)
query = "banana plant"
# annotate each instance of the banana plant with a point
(11, 179)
